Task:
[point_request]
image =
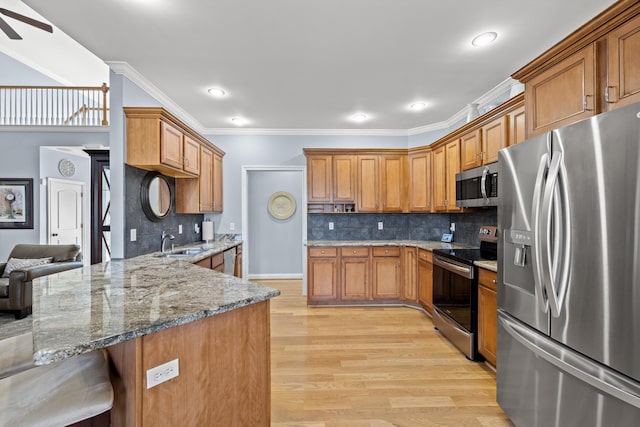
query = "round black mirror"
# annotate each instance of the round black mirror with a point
(155, 195)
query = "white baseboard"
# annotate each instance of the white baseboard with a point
(275, 276)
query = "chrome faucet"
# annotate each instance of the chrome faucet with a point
(165, 236)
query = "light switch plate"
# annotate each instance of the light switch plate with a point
(330, 226)
(179, 228)
(380, 226)
(232, 226)
(162, 373)
(134, 235)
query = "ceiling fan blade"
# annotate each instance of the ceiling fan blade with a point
(8, 30)
(27, 20)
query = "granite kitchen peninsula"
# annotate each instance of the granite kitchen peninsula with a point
(150, 310)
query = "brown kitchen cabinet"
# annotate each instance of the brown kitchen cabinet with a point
(517, 126)
(344, 178)
(386, 272)
(471, 149)
(487, 314)
(368, 183)
(322, 274)
(355, 267)
(214, 262)
(156, 140)
(623, 65)
(381, 182)
(419, 198)
(319, 171)
(217, 182)
(495, 136)
(331, 182)
(195, 195)
(237, 267)
(563, 94)
(410, 274)
(446, 164)
(425, 279)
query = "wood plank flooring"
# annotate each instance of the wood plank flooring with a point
(375, 367)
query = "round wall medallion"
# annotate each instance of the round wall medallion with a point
(66, 168)
(281, 205)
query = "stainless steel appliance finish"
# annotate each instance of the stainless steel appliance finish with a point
(569, 275)
(477, 187)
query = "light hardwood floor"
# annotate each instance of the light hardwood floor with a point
(377, 367)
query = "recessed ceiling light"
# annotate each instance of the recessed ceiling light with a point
(217, 92)
(484, 39)
(418, 106)
(239, 121)
(359, 117)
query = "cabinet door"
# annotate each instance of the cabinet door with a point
(623, 72)
(392, 182)
(425, 279)
(319, 178)
(171, 146)
(471, 155)
(563, 94)
(237, 267)
(487, 321)
(191, 151)
(322, 270)
(517, 126)
(368, 183)
(453, 167)
(354, 278)
(206, 180)
(217, 183)
(410, 279)
(439, 179)
(344, 179)
(386, 277)
(420, 182)
(494, 138)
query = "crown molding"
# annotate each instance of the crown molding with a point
(121, 67)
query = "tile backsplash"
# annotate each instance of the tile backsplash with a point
(414, 226)
(148, 232)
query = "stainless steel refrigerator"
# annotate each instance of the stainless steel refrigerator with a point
(569, 275)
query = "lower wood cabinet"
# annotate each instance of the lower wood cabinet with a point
(355, 267)
(386, 273)
(425, 279)
(322, 274)
(487, 314)
(237, 267)
(410, 271)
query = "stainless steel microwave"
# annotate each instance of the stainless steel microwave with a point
(477, 187)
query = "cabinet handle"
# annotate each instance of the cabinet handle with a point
(355, 252)
(321, 252)
(494, 281)
(585, 102)
(606, 95)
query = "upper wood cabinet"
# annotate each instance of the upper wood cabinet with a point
(495, 136)
(217, 182)
(446, 164)
(319, 169)
(368, 183)
(517, 126)
(392, 183)
(453, 167)
(623, 66)
(344, 178)
(419, 181)
(156, 140)
(563, 94)
(195, 195)
(471, 149)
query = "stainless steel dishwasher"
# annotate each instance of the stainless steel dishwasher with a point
(229, 257)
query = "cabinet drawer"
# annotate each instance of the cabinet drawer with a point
(425, 255)
(487, 278)
(322, 252)
(355, 251)
(386, 251)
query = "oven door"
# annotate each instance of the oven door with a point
(455, 303)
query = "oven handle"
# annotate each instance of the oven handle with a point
(461, 270)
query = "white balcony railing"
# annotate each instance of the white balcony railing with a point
(54, 106)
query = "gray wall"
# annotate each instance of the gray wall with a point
(21, 159)
(275, 245)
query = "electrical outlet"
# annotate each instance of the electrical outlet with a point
(330, 226)
(162, 373)
(134, 235)
(380, 226)
(453, 227)
(179, 228)
(232, 226)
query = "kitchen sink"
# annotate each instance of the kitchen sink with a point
(182, 253)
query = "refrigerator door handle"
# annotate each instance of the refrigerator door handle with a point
(601, 378)
(556, 246)
(536, 256)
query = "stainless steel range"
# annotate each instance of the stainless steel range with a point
(455, 291)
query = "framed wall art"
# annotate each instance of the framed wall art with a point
(16, 203)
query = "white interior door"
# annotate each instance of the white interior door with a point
(65, 212)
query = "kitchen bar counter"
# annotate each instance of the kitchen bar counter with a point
(488, 265)
(98, 306)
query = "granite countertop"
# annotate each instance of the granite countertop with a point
(85, 309)
(422, 244)
(488, 265)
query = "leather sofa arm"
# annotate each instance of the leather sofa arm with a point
(30, 273)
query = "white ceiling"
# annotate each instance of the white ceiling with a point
(311, 64)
